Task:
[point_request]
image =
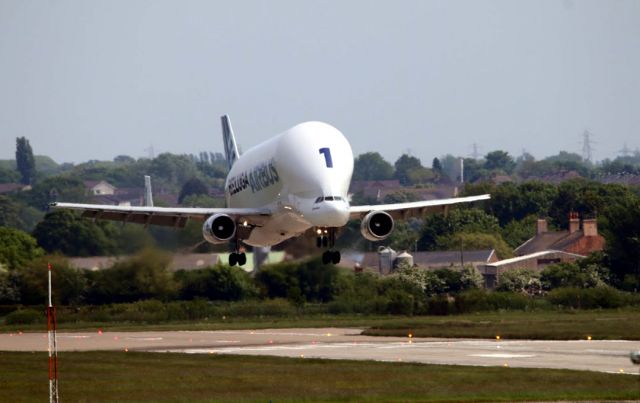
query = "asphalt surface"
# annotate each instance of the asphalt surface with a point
(610, 356)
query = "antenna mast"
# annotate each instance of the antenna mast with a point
(53, 347)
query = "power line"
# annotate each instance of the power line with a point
(587, 146)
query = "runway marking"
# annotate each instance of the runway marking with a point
(145, 338)
(502, 355)
(73, 337)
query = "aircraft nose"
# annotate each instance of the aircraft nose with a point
(331, 214)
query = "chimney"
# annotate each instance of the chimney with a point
(590, 227)
(541, 226)
(574, 222)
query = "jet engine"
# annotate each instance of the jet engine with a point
(219, 228)
(376, 226)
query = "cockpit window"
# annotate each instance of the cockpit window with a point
(328, 198)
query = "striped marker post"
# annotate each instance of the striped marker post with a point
(53, 348)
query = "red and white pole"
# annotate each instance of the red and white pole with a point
(53, 348)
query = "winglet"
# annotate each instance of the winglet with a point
(148, 196)
(230, 147)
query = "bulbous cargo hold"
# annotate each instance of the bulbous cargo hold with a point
(219, 228)
(376, 226)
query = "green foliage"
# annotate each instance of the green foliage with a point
(479, 300)
(65, 232)
(467, 220)
(193, 186)
(404, 166)
(499, 160)
(475, 241)
(519, 280)
(69, 284)
(17, 248)
(8, 175)
(621, 229)
(9, 289)
(217, 283)
(56, 188)
(202, 200)
(317, 282)
(570, 275)
(25, 317)
(25, 162)
(142, 276)
(592, 298)
(515, 233)
(371, 166)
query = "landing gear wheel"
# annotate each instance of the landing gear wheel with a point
(233, 259)
(242, 259)
(326, 257)
(335, 257)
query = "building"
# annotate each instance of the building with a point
(385, 260)
(13, 187)
(582, 238)
(535, 261)
(99, 188)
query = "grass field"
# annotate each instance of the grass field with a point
(119, 376)
(546, 325)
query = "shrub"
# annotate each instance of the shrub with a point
(25, 317)
(591, 298)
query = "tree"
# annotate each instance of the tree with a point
(24, 161)
(499, 160)
(65, 232)
(475, 241)
(566, 274)
(17, 215)
(520, 280)
(17, 248)
(143, 276)
(371, 166)
(193, 186)
(467, 220)
(404, 165)
(436, 166)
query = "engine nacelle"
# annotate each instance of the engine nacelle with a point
(219, 228)
(376, 226)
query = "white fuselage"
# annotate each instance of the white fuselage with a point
(301, 176)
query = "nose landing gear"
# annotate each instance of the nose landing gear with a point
(326, 238)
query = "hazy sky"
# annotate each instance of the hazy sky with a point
(94, 79)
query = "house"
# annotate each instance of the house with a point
(98, 188)
(582, 238)
(13, 187)
(535, 261)
(386, 259)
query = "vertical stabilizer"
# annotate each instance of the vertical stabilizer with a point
(230, 147)
(148, 196)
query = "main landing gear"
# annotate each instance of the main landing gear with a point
(237, 258)
(326, 238)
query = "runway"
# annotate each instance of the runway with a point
(611, 356)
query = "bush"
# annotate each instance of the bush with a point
(216, 283)
(591, 298)
(570, 275)
(25, 317)
(481, 300)
(520, 280)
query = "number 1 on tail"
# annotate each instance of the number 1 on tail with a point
(327, 156)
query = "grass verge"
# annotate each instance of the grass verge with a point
(542, 325)
(119, 376)
(562, 325)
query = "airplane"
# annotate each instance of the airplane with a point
(280, 189)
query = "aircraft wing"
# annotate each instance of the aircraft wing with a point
(413, 209)
(165, 216)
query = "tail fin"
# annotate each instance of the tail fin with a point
(230, 147)
(148, 196)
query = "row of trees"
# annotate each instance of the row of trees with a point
(409, 291)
